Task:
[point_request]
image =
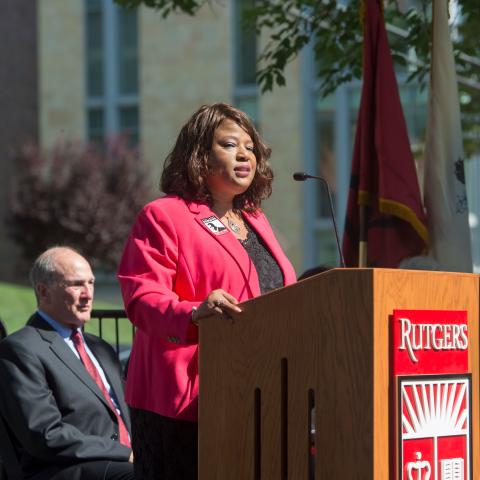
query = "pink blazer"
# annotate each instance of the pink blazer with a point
(176, 254)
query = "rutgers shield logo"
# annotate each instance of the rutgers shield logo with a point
(432, 395)
(434, 428)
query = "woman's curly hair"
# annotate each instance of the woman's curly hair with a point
(185, 169)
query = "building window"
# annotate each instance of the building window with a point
(332, 135)
(111, 70)
(245, 94)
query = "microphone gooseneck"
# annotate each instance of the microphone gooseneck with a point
(301, 177)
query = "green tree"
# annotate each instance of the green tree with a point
(79, 195)
(335, 28)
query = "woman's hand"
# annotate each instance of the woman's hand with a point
(218, 301)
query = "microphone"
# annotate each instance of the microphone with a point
(301, 177)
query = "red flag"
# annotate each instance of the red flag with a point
(383, 178)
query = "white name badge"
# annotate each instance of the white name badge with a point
(215, 225)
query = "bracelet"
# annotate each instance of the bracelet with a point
(193, 316)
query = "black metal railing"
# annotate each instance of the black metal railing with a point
(115, 315)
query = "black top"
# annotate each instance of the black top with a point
(269, 274)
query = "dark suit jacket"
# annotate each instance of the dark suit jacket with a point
(52, 405)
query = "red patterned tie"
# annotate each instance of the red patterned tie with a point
(77, 340)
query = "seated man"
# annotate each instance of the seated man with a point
(61, 391)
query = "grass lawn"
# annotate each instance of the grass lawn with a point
(17, 303)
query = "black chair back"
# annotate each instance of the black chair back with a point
(3, 330)
(8, 454)
(3, 471)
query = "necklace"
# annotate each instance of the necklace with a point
(234, 227)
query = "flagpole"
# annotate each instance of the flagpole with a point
(362, 218)
(362, 241)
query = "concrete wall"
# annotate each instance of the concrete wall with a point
(280, 115)
(18, 98)
(184, 63)
(61, 71)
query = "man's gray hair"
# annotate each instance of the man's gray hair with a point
(44, 268)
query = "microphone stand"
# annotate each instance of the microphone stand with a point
(301, 177)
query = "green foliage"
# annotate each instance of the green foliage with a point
(468, 43)
(338, 45)
(17, 303)
(77, 195)
(165, 7)
(335, 29)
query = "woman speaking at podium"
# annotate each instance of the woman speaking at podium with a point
(204, 247)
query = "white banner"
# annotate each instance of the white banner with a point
(443, 175)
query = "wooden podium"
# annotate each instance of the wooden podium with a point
(324, 341)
